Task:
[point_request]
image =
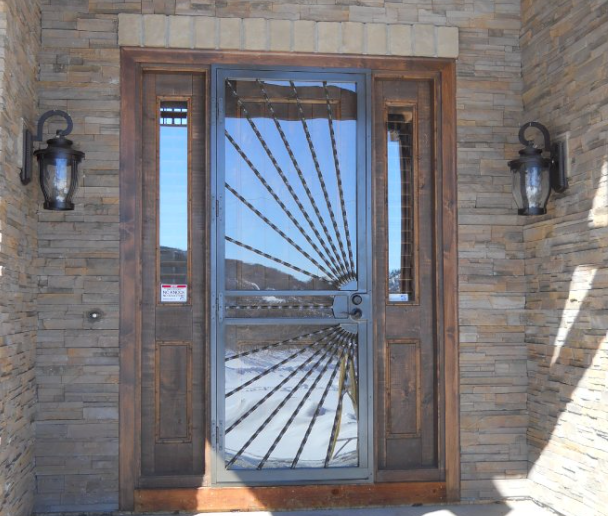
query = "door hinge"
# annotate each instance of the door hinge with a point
(218, 437)
(220, 307)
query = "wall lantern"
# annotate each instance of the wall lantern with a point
(58, 164)
(534, 175)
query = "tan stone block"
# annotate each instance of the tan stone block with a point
(400, 40)
(129, 30)
(352, 38)
(280, 35)
(180, 32)
(328, 37)
(254, 31)
(447, 42)
(424, 40)
(230, 33)
(304, 36)
(376, 39)
(204, 32)
(155, 31)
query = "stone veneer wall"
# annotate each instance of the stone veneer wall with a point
(77, 373)
(19, 43)
(565, 71)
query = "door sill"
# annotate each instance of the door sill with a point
(288, 498)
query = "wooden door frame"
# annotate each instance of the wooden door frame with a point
(441, 72)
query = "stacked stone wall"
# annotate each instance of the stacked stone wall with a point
(565, 71)
(19, 43)
(77, 429)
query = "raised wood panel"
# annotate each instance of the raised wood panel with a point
(173, 392)
(403, 389)
(288, 498)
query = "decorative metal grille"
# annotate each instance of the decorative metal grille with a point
(173, 113)
(293, 401)
(290, 169)
(400, 205)
(321, 222)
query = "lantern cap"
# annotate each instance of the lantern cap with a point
(57, 146)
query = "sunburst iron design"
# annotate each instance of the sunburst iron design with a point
(319, 217)
(300, 410)
(291, 390)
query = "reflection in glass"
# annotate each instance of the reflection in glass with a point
(57, 181)
(400, 204)
(290, 165)
(291, 397)
(173, 198)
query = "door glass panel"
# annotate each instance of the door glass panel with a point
(173, 198)
(291, 397)
(400, 204)
(290, 185)
(293, 218)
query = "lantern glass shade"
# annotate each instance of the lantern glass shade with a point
(58, 165)
(531, 186)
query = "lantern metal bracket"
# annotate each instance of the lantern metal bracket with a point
(28, 141)
(557, 155)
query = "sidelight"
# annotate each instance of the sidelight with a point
(400, 203)
(173, 201)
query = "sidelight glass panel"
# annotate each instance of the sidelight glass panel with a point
(400, 204)
(291, 396)
(173, 201)
(290, 172)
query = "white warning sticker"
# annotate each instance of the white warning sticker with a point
(173, 293)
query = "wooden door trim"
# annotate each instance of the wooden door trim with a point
(130, 274)
(449, 280)
(134, 61)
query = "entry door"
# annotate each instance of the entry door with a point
(291, 277)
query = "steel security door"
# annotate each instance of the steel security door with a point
(291, 277)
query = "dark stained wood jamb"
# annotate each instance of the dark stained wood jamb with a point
(129, 276)
(450, 281)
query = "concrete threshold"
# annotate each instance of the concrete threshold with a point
(510, 508)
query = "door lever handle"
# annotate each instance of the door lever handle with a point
(356, 313)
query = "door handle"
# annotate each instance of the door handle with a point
(356, 313)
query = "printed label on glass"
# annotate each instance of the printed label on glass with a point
(174, 293)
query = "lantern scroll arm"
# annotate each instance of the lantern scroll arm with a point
(25, 173)
(50, 114)
(541, 128)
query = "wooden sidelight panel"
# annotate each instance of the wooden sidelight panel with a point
(407, 379)
(173, 277)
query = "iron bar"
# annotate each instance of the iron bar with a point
(285, 179)
(326, 259)
(331, 277)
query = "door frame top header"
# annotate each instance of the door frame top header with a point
(260, 34)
